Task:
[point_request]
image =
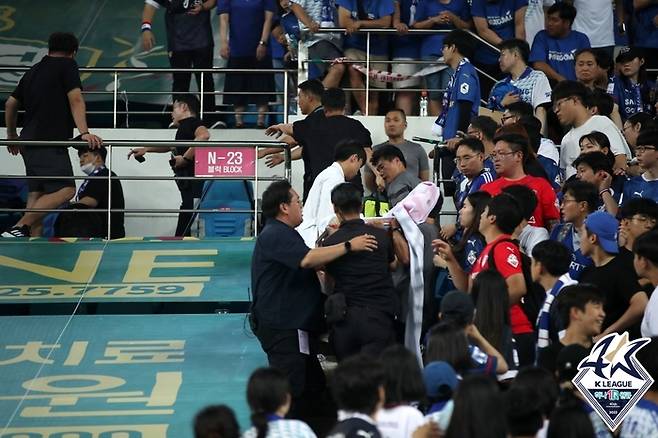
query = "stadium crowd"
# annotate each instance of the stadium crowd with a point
(555, 244)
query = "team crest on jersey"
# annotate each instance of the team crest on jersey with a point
(513, 260)
(463, 88)
(611, 379)
(472, 257)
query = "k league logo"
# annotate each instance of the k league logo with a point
(611, 378)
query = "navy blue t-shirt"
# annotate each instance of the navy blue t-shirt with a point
(407, 46)
(375, 9)
(285, 296)
(432, 45)
(632, 98)
(246, 18)
(464, 86)
(564, 233)
(646, 32)
(500, 17)
(559, 53)
(640, 187)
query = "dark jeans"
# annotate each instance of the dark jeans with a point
(307, 381)
(364, 330)
(525, 347)
(188, 191)
(198, 58)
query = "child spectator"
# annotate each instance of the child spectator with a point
(646, 266)
(645, 185)
(216, 422)
(596, 169)
(268, 396)
(527, 235)
(637, 217)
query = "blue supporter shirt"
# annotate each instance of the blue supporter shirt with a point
(432, 44)
(246, 18)
(552, 170)
(500, 17)
(464, 86)
(646, 32)
(559, 53)
(564, 233)
(472, 250)
(631, 98)
(640, 187)
(407, 46)
(466, 187)
(375, 9)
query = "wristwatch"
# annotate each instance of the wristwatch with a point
(262, 43)
(348, 246)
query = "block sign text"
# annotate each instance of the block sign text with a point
(225, 162)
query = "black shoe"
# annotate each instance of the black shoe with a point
(23, 231)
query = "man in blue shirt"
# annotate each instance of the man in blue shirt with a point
(355, 15)
(554, 49)
(645, 185)
(461, 101)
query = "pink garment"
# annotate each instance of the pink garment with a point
(420, 202)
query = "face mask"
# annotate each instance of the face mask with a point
(88, 168)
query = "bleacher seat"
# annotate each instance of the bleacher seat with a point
(226, 196)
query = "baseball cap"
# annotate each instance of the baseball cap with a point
(605, 226)
(628, 54)
(567, 361)
(457, 306)
(440, 379)
(499, 92)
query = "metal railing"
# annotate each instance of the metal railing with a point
(110, 144)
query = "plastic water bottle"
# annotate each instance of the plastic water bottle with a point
(423, 103)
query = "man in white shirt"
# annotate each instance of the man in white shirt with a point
(570, 100)
(595, 19)
(534, 18)
(318, 210)
(646, 266)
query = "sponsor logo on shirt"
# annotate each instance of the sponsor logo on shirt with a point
(561, 56)
(611, 379)
(502, 20)
(513, 261)
(463, 88)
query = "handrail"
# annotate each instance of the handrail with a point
(123, 143)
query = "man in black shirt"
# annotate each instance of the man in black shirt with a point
(50, 93)
(286, 309)
(189, 42)
(190, 127)
(364, 279)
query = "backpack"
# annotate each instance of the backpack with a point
(533, 300)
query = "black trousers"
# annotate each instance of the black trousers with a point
(188, 191)
(198, 58)
(525, 347)
(364, 330)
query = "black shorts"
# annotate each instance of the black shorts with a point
(48, 161)
(324, 50)
(258, 85)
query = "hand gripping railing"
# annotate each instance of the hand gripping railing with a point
(110, 144)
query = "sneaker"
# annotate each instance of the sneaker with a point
(23, 231)
(219, 125)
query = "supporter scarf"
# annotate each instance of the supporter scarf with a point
(448, 95)
(544, 317)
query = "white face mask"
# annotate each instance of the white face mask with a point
(88, 168)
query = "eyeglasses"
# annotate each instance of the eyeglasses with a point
(641, 219)
(643, 149)
(501, 155)
(559, 103)
(464, 159)
(565, 200)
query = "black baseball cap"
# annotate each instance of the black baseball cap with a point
(628, 54)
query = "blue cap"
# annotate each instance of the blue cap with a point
(439, 377)
(498, 92)
(605, 227)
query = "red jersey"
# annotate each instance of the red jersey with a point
(547, 208)
(508, 263)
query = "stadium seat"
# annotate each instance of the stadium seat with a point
(226, 196)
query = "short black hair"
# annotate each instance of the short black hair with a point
(644, 119)
(101, 151)
(216, 422)
(398, 110)
(525, 197)
(524, 410)
(643, 206)
(566, 89)
(63, 42)
(532, 126)
(597, 137)
(577, 295)
(516, 142)
(472, 143)
(346, 148)
(565, 11)
(648, 137)
(543, 380)
(507, 211)
(486, 125)
(554, 257)
(312, 87)
(346, 197)
(583, 191)
(518, 45)
(586, 50)
(646, 246)
(333, 99)
(387, 152)
(356, 382)
(461, 39)
(603, 102)
(190, 100)
(276, 194)
(597, 161)
(520, 108)
(404, 377)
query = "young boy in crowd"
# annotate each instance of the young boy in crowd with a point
(595, 168)
(637, 217)
(645, 185)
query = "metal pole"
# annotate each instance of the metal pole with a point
(109, 191)
(285, 98)
(367, 73)
(256, 195)
(201, 88)
(114, 99)
(288, 163)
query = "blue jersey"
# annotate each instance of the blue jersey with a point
(432, 44)
(646, 32)
(464, 85)
(246, 22)
(472, 250)
(559, 54)
(565, 233)
(466, 187)
(500, 18)
(640, 187)
(374, 9)
(552, 170)
(407, 46)
(632, 98)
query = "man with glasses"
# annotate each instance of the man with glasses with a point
(645, 185)
(570, 101)
(509, 155)
(637, 217)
